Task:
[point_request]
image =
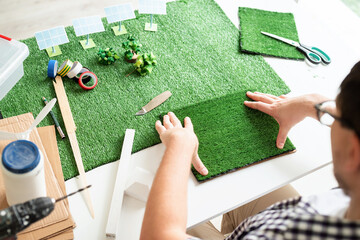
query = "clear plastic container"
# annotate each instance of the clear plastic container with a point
(12, 55)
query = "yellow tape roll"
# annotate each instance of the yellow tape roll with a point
(65, 68)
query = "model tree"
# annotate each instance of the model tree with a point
(133, 48)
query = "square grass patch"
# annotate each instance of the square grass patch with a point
(253, 21)
(198, 57)
(231, 135)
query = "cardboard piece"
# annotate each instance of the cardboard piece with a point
(60, 218)
(65, 235)
(48, 138)
(65, 228)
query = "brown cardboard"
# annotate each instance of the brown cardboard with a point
(48, 139)
(65, 235)
(63, 229)
(19, 124)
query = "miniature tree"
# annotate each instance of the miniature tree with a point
(145, 63)
(107, 56)
(133, 47)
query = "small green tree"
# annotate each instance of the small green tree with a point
(133, 48)
(145, 63)
(107, 56)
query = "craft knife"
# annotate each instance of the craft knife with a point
(156, 101)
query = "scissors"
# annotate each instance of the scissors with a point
(313, 54)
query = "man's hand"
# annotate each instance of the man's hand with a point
(166, 208)
(285, 110)
(172, 131)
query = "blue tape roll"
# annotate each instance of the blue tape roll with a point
(52, 68)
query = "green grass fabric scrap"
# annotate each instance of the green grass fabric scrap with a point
(231, 135)
(198, 59)
(253, 21)
(354, 5)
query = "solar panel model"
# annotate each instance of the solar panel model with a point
(51, 39)
(152, 7)
(119, 13)
(86, 26)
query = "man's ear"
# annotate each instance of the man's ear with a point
(355, 153)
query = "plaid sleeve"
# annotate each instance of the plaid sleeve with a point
(295, 219)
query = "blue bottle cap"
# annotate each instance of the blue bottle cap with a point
(20, 156)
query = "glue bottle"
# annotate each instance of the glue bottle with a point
(22, 167)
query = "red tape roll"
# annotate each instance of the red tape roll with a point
(88, 74)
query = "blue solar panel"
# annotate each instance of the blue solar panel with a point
(119, 12)
(51, 37)
(152, 6)
(88, 25)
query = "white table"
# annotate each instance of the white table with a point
(212, 198)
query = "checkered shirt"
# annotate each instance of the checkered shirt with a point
(295, 219)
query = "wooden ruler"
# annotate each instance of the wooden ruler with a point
(119, 188)
(70, 129)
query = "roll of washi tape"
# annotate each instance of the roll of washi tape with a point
(85, 79)
(52, 68)
(65, 68)
(75, 70)
(90, 84)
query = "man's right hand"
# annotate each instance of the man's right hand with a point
(285, 110)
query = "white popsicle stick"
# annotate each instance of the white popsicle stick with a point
(45, 111)
(119, 188)
(25, 135)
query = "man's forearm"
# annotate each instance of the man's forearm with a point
(166, 210)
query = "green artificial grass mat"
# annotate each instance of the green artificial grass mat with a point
(232, 135)
(198, 56)
(253, 21)
(354, 5)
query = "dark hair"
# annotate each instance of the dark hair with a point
(348, 100)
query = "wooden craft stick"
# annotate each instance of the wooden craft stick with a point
(64, 105)
(119, 188)
(70, 129)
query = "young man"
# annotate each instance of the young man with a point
(333, 215)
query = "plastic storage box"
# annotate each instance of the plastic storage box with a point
(12, 55)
